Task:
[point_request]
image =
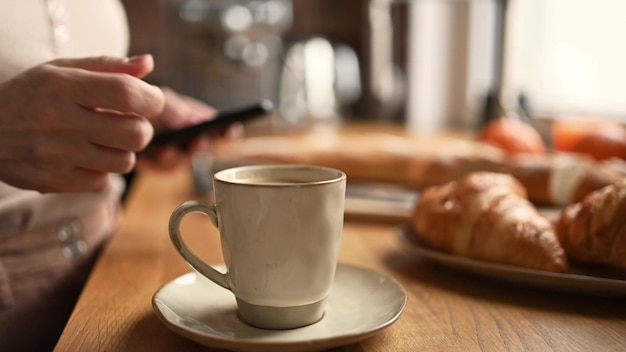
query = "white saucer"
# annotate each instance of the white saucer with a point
(361, 303)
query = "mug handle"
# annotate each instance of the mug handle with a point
(195, 206)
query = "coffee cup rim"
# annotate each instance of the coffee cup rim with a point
(334, 175)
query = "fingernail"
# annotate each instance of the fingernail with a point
(137, 58)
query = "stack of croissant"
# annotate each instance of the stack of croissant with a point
(487, 216)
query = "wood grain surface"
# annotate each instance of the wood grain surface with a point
(446, 310)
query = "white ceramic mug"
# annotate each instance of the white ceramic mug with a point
(280, 228)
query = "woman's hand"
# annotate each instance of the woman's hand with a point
(66, 124)
(181, 111)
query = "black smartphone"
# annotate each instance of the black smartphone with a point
(181, 137)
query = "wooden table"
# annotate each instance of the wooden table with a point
(446, 310)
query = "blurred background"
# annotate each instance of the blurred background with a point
(428, 64)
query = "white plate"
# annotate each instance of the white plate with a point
(360, 303)
(378, 201)
(594, 281)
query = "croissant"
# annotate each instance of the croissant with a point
(486, 216)
(594, 229)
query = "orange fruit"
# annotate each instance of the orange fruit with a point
(567, 132)
(603, 143)
(513, 135)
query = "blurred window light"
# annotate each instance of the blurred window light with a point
(236, 18)
(255, 54)
(235, 45)
(270, 12)
(568, 56)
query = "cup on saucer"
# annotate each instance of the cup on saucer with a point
(280, 229)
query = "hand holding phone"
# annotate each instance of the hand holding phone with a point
(179, 138)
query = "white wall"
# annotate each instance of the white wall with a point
(569, 56)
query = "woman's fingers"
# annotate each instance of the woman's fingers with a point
(126, 132)
(137, 66)
(66, 124)
(103, 159)
(117, 92)
(108, 83)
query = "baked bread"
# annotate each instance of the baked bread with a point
(420, 161)
(486, 216)
(594, 229)
(413, 161)
(563, 178)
